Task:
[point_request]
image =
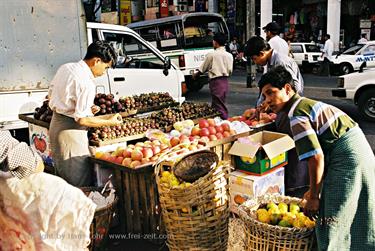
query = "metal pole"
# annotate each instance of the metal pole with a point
(250, 31)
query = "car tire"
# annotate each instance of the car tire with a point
(366, 104)
(345, 68)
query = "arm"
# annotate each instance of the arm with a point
(104, 120)
(312, 197)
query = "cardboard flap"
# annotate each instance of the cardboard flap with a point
(242, 149)
(278, 146)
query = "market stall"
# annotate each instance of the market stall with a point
(155, 127)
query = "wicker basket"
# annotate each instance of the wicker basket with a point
(102, 221)
(196, 217)
(262, 236)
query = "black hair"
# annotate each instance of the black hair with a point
(255, 45)
(328, 36)
(102, 50)
(220, 38)
(364, 35)
(277, 77)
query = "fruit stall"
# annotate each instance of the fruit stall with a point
(156, 131)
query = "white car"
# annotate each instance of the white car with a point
(351, 59)
(360, 88)
(306, 55)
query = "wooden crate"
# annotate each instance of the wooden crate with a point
(139, 208)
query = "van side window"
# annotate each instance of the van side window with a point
(296, 48)
(149, 34)
(200, 34)
(132, 52)
(168, 36)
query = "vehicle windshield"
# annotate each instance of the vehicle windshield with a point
(198, 31)
(312, 48)
(353, 50)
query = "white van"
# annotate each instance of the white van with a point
(35, 43)
(186, 39)
(141, 68)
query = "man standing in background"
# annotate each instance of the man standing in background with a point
(219, 65)
(327, 56)
(272, 31)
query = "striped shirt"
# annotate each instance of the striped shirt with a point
(315, 125)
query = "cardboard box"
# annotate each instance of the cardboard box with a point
(243, 186)
(259, 153)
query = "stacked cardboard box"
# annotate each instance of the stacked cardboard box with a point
(259, 160)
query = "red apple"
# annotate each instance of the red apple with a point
(211, 122)
(212, 130)
(156, 149)
(203, 123)
(147, 152)
(174, 141)
(126, 162)
(226, 127)
(226, 134)
(204, 132)
(137, 155)
(119, 159)
(219, 135)
(195, 131)
(212, 137)
(135, 163)
(219, 129)
(127, 153)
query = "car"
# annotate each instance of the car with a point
(351, 59)
(360, 88)
(306, 55)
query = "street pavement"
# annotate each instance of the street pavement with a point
(239, 99)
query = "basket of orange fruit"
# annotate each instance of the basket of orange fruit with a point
(276, 222)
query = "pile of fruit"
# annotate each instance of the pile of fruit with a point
(284, 215)
(206, 130)
(250, 118)
(43, 113)
(134, 155)
(146, 100)
(107, 104)
(130, 126)
(168, 116)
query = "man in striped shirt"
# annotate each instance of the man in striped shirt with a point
(341, 165)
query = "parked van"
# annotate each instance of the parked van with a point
(39, 36)
(186, 39)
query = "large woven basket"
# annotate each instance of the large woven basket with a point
(262, 236)
(196, 217)
(102, 221)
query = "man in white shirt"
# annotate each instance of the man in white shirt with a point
(327, 56)
(72, 93)
(272, 31)
(219, 65)
(363, 39)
